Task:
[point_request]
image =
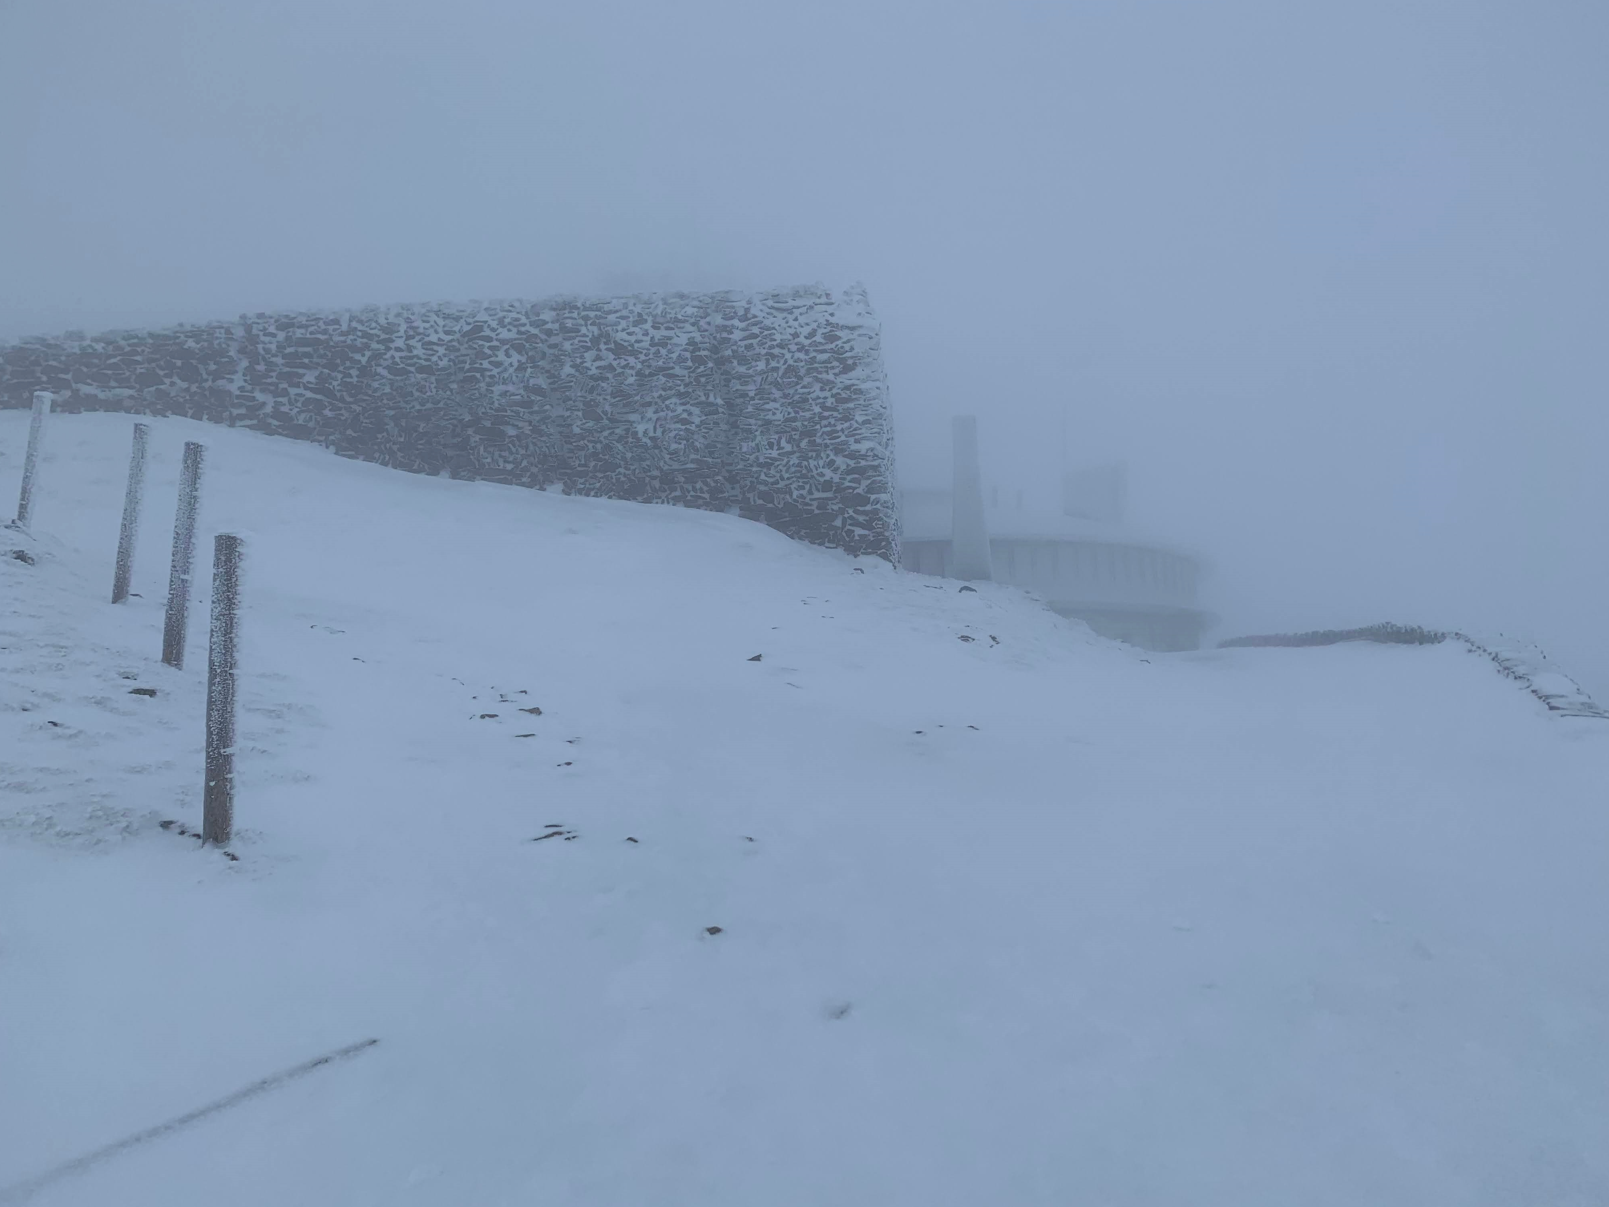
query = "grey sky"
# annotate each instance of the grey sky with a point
(1333, 276)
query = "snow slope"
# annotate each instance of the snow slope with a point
(1025, 919)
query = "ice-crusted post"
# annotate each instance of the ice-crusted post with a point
(218, 799)
(176, 622)
(30, 459)
(131, 514)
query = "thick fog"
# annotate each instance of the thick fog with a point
(1332, 277)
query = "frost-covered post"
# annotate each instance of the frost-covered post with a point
(176, 623)
(218, 799)
(30, 459)
(131, 514)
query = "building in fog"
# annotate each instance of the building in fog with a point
(1077, 554)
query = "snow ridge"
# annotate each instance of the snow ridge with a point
(1520, 661)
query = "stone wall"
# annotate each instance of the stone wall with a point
(771, 405)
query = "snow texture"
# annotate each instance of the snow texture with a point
(772, 405)
(862, 890)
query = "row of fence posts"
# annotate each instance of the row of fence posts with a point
(218, 797)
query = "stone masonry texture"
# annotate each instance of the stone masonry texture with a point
(773, 406)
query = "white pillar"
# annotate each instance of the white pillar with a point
(969, 534)
(30, 459)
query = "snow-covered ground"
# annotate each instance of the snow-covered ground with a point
(1009, 915)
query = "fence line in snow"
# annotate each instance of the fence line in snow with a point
(218, 796)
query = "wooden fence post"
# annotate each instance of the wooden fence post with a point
(131, 514)
(30, 459)
(218, 800)
(175, 624)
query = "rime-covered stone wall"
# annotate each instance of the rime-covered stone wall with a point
(770, 405)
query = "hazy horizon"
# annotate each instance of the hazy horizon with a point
(1330, 278)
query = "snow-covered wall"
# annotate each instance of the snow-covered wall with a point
(771, 405)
